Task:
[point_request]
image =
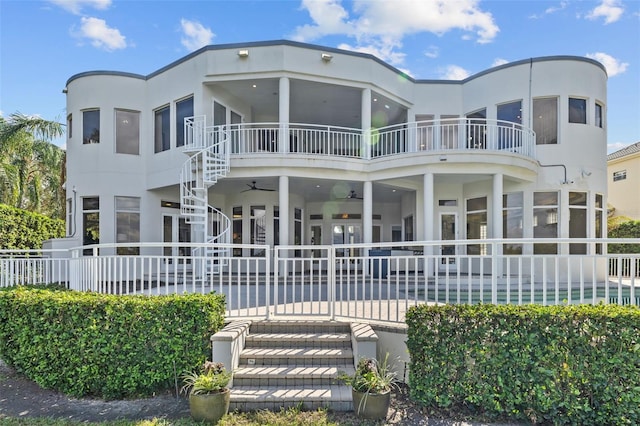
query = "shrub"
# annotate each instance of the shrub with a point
(23, 230)
(560, 364)
(630, 229)
(86, 344)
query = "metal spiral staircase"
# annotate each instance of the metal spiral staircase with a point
(208, 161)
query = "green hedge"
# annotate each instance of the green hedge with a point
(561, 364)
(21, 229)
(630, 229)
(86, 344)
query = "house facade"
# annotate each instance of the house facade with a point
(284, 143)
(623, 179)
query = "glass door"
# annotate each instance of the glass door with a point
(448, 232)
(175, 229)
(347, 234)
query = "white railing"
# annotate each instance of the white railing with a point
(28, 267)
(458, 134)
(374, 282)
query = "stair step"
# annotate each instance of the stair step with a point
(297, 340)
(296, 356)
(295, 375)
(287, 326)
(338, 397)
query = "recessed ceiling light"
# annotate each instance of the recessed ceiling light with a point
(254, 86)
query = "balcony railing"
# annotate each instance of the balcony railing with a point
(458, 134)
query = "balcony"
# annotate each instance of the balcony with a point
(460, 135)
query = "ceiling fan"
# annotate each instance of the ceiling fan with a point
(352, 196)
(253, 187)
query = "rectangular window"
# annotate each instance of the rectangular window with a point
(128, 224)
(545, 120)
(184, 108)
(237, 230)
(599, 117)
(449, 131)
(545, 221)
(162, 130)
(599, 219)
(276, 225)
(69, 217)
(69, 126)
(620, 175)
(297, 230)
(408, 228)
(258, 228)
(577, 110)
(425, 132)
(127, 132)
(91, 126)
(512, 221)
(477, 224)
(90, 222)
(509, 121)
(578, 221)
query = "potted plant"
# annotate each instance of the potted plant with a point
(208, 392)
(371, 386)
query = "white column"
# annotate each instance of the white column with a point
(283, 194)
(283, 116)
(367, 212)
(497, 205)
(428, 208)
(366, 123)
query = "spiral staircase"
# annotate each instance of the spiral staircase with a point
(208, 150)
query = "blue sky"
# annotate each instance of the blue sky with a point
(43, 43)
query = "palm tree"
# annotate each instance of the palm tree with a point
(31, 167)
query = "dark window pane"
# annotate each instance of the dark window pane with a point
(128, 132)
(184, 109)
(91, 126)
(545, 120)
(162, 136)
(577, 111)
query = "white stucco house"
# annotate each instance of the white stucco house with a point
(285, 143)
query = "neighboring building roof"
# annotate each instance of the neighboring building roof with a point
(631, 149)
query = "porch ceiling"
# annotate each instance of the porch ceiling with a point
(313, 102)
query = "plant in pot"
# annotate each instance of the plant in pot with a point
(208, 392)
(371, 386)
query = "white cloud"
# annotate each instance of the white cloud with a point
(554, 9)
(616, 146)
(101, 35)
(76, 6)
(380, 26)
(432, 52)
(195, 35)
(379, 50)
(610, 10)
(498, 62)
(455, 72)
(613, 65)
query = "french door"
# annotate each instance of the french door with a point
(448, 232)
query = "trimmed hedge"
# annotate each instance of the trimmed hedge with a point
(23, 230)
(551, 364)
(87, 344)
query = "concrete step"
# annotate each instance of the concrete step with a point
(247, 398)
(298, 340)
(287, 376)
(295, 326)
(296, 356)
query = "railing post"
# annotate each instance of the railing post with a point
(276, 283)
(268, 277)
(494, 272)
(331, 282)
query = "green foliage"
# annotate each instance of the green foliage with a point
(630, 229)
(86, 344)
(546, 364)
(210, 378)
(20, 229)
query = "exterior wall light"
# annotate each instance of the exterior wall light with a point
(243, 53)
(326, 57)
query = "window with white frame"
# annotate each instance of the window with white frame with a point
(577, 110)
(162, 129)
(258, 228)
(237, 229)
(545, 120)
(477, 224)
(545, 221)
(578, 221)
(90, 222)
(408, 228)
(599, 220)
(297, 230)
(91, 126)
(69, 217)
(512, 221)
(599, 117)
(184, 109)
(619, 175)
(127, 132)
(128, 224)
(69, 126)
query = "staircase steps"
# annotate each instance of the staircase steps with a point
(293, 364)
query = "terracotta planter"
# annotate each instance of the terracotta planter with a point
(372, 406)
(209, 407)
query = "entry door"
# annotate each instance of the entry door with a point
(448, 232)
(175, 229)
(347, 234)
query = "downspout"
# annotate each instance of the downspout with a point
(557, 165)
